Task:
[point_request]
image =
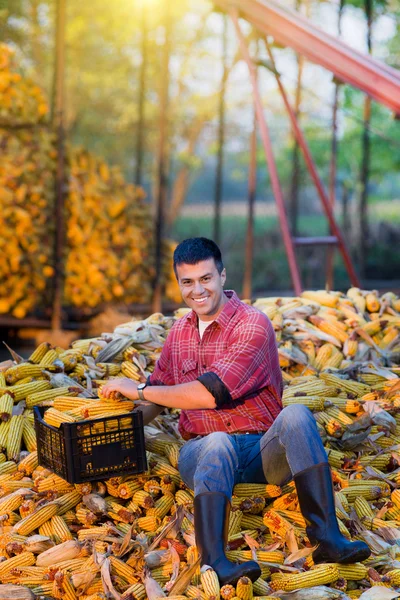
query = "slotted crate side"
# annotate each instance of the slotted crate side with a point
(94, 449)
(112, 446)
(50, 446)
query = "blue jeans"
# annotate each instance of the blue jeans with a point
(218, 461)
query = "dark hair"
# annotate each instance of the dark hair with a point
(194, 250)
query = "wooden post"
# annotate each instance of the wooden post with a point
(162, 178)
(141, 101)
(221, 137)
(58, 116)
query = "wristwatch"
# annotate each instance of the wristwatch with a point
(140, 389)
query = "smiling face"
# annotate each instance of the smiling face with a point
(202, 288)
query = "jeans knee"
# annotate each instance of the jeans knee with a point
(297, 416)
(216, 441)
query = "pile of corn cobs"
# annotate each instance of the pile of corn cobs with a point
(108, 250)
(133, 537)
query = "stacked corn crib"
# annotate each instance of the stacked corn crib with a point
(103, 214)
(133, 537)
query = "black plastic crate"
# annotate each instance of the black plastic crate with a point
(113, 446)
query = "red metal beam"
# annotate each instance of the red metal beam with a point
(275, 183)
(308, 159)
(373, 77)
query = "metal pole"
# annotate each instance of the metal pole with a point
(221, 137)
(59, 108)
(276, 186)
(248, 267)
(314, 175)
(162, 190)
(142, 94)
(333, 162)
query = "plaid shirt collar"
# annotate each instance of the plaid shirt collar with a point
(225, 315)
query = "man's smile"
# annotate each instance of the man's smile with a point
(200, 300)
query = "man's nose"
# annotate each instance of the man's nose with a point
(198, 287)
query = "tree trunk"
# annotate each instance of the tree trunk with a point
(58, 121)
(162, 179)
(141, 100)
(333, 163)
(362, 249)
(221, 137)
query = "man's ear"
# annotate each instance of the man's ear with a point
(223, 276)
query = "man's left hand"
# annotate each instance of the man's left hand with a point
(124, 385)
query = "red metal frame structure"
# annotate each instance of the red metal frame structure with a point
(376, 79)
(371, 76)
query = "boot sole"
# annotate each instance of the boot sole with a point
(357, 556)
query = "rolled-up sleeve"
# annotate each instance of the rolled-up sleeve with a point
(163, 372)
(246, 366)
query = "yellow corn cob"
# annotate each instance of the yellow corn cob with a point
(28, 464)
(54, 482)
(162, 506)
(137, 590)
(336, 413)
(183, 497)
(311, 402)
(67, 403)
(261, 588)
(39, 353)
(244, 589)
(172, 453)
(49, 358)
(34, 399)
(235, 520)
(210, 583)
(8, 467)
(120, 568)
(276, 524)
(60, 529)
(15, 437)
(250, 521)
(4, 428)
(6, 406)
(3, 382)
(13, 374)
(55, 418)
(322, 297)
(293, 516)
(353, 572)
(243, 490)
(11, 502)
(129, 370)
(83, 488)
(33, 521)
(319, 575)
(149, 523)
(67, 501)
(335, 458)
(25, 559)
(363, 509)
(20, 392)
(29, 436)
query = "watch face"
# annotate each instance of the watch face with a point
(141, 386)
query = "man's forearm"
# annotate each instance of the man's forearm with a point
(188, 396)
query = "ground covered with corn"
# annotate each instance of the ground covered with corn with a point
(132, 537)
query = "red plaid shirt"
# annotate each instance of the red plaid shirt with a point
(240, 348)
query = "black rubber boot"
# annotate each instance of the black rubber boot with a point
(317, 504)
(211, 521)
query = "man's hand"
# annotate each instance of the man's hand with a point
(124, 385)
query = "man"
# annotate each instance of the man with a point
(220, 366)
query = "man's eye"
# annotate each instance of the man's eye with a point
(205, 279)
